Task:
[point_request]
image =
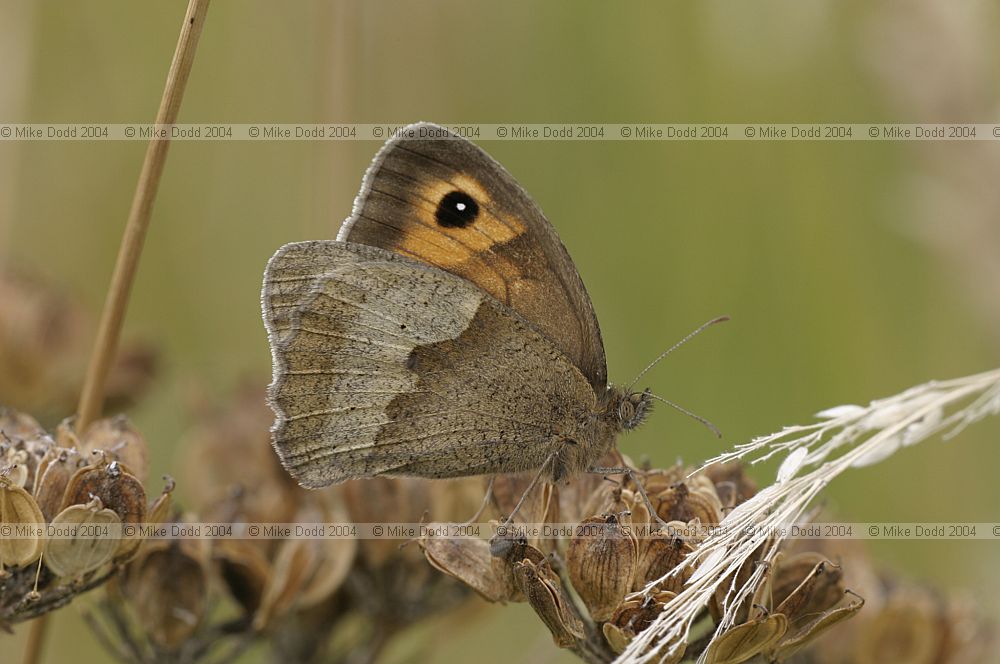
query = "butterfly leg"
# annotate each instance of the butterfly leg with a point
(486, 501)
(534, 480)
(630, 474)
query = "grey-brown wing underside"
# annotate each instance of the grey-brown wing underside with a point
(383, 365)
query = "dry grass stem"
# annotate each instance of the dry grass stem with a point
(846, 437)
(116, 303)
(113, 314)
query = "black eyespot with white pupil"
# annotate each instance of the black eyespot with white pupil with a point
(457, 210)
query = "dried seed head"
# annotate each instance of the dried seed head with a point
(18, 508)
(744, 642)
(44, 341)
(634, 616)
(55, 471)
(694, 500)
(334, 557)
(14, 468)
(91, 545)
(168, 586)
(544, 593)
(23, 444)
(119, 441)
(602, 559)
(806, 585)
(807, 633)
(731, 479)
(486, 567)
(231, 472)
(658, 555)
(118, 490)
(294, 564)
(245, 571)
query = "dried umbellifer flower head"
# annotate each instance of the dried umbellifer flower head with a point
(83, 503)
(228, 454)
(306, 571)
(44, 341)
(602, 559)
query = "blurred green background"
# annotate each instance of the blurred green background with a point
(851, 271)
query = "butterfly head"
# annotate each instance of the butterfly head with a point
(632, 408)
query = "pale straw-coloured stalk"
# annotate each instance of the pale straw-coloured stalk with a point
(845, 437)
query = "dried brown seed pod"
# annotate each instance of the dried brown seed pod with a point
(55, 472)
(244, 570)
(486, 568)
(544, 593)
(601, 559)
(693, 500)
(159, 511)
(169, 589)
(744, 642)
(16, 426)
(658, 555)
(808, 632)
(906, 629)
(92, 544)
(731, 478)
(120, 441)
(18, 508)
(334, 557)
(294, 563)
(118, 490)
(805, 585)
(634, 616)
(14, 467)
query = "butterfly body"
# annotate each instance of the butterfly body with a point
(444, 334)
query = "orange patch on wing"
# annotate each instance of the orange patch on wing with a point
(464, 251)
(486, 231)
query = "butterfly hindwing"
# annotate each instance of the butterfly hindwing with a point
(385, 366)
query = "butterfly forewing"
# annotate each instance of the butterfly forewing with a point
(443, 201)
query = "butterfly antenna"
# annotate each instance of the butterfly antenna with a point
(714, 429)
(720, 319)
